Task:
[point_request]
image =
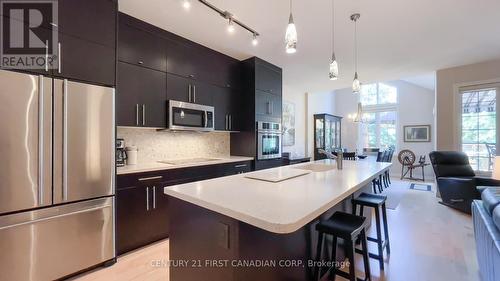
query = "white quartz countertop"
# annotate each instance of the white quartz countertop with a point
(285, 206)
(157, 166)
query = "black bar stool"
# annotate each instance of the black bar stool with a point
(377, 202)
(350, 228)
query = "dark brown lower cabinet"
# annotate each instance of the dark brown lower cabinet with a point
(142, 208)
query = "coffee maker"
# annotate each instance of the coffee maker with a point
(121, 154)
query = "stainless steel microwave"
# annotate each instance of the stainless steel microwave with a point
(190, 116)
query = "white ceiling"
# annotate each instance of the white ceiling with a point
(397, 38)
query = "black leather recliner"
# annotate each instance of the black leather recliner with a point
(457, 183)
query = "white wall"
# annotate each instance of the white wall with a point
(306, 105)
(317, 103)
(298, 98)
(415, 107)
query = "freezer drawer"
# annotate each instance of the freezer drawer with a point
(54, 242)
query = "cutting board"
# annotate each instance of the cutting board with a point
(277, 175)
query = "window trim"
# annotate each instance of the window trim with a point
(458, 90)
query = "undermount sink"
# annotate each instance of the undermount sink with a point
(315, 167)
(187, 161)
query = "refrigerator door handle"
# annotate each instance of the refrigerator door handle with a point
(65, 140)
(41, 134)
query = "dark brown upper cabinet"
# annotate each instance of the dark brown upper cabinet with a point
(85, 60)
(90, 20)
(189, 90)
(268, 78)
(226, 102)
(185, 60)
(141, 96)
(202, 64)
(140, 47)
(85, 49)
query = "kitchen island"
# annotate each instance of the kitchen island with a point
(237, 228)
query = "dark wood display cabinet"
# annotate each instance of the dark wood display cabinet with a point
(142, 208)
(327, 134)
(85, 49)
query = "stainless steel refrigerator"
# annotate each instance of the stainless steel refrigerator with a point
(56, 176)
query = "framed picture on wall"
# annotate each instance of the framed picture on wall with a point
(417, 133)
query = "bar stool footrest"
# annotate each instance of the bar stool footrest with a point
(371, 239)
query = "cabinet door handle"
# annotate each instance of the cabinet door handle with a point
(46, 55)
(140, 62)
(225, 125)
(268, 107)
(154, 197)
(194, 93)
(147, 198)
(137, 114)
(272, 107)
(151, 178)
(240, 165)
(230, 122)
(143, 115)
(189, 93)
(59, 57)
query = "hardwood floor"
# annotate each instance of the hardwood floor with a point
(429, 242)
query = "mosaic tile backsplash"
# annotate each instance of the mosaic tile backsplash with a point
(163, 145)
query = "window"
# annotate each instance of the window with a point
(378, 94)
(379, 115)
(379, 129)
(478, 130)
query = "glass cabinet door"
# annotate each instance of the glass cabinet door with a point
(320, 133)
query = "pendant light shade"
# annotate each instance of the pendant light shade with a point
(291, 34)
(334, 67)
(359, 114)
(356, 85)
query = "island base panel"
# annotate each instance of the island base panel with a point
(205, 245)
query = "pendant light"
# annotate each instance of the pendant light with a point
(358, 116)
(356, 85)
(186, 4)
(334, 67)
(291, 34)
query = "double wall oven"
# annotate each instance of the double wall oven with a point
(269, 137)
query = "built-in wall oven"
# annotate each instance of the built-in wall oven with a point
(190, 116)
(269, 136)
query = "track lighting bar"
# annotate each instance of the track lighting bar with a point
(228, 16)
